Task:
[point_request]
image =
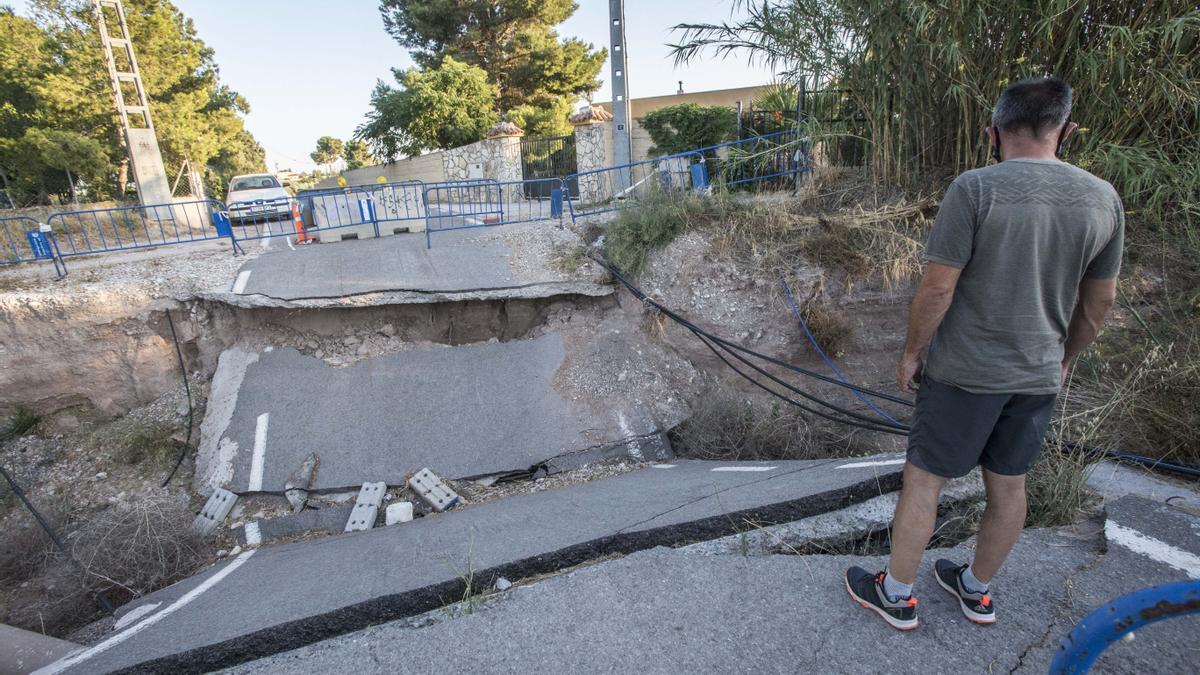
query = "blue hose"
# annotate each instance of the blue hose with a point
(828, 361)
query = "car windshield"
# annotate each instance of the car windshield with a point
(253, 183)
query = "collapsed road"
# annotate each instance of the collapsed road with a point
(572, 386)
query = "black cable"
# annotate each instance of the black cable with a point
(188, 390)
(16, 490)
(640, 295)
(832, 418)
(730, 347)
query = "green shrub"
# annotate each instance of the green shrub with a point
(652, 223)
(677, 128)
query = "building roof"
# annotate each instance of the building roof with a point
(638, 107)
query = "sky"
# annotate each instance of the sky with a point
(307, 67)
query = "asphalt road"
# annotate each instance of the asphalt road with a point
(662, 611)
(460, 261)
(461, 411)
(278, 598)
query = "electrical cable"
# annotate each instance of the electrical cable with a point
(16, 490)
(637, 293)
(817, 346)
(188, 390)
(710, 340)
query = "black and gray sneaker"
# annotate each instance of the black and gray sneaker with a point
(977, 607)
(867, 589)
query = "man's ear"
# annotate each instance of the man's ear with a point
(1071, 127)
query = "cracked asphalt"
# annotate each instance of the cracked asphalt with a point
(663, 611)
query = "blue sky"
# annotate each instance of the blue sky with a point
(308, 66)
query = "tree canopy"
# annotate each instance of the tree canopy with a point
(329, 150)
(357, 154)
(55, 92)
(441, 107)
(535, 76)
(687, 126)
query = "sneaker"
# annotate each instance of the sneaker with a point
(867, 589)
(977, 607)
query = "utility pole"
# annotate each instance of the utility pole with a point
(622, 150)
(137, 128)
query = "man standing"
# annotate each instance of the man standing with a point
(1022, 267)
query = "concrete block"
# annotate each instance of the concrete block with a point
(399, 512)
(219, 503)
(366, 507)
(432, 490)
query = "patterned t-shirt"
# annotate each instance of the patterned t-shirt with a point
(1024, 232)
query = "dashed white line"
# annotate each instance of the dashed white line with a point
(1152, 548)
(745, 468)
(881, 462)
(662, 466)
(239, 284)
(79, 657)
(260, 451)
(253, 534)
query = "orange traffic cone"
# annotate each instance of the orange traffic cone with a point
(301, 236)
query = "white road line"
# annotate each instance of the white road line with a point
(253, 534)
(260, 451)
(135, 614)
(79, 657)
(745, 468)
(663, 466)
(1152, 548)
(239, 284)
(882, 462)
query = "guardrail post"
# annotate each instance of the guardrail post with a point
(556, 203)
(700, 176)
(56, 257)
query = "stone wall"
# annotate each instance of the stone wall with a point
(496, 158)
(593, 150)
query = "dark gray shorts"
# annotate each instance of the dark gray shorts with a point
(954, 430)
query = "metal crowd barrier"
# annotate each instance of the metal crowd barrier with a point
(610, 188)
(767, 158)
(125, 228)
(467, 204)
(22, 241)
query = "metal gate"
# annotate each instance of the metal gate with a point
(548, 158)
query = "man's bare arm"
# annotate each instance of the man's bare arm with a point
(928, 308)
(1096, 297)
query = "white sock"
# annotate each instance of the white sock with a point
(972, 584)
(895, 590)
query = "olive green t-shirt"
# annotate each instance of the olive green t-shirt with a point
(1025, 233)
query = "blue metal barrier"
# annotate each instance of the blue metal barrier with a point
(19, 246)
(608, 189)
(132, 227)
(770, 157)
(466, 204)
(1107, 624)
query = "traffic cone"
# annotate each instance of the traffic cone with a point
(301, 236)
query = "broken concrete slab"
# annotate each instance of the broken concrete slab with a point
(515, 538)
(467, 410)
(366, 507)
(218, 506)
(25, 651)
(1114, 480)
(503, 262)
(432, 490)
(398, 512)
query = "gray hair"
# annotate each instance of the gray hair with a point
(1033, 104)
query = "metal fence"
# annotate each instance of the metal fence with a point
(610, 188)
(772, 160)
(22, 241)
(132, 227)
(465, 205)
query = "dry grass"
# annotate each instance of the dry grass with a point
(147, 443)
(830, 327)
(725, 425)
(122, 552)
(566, 258)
